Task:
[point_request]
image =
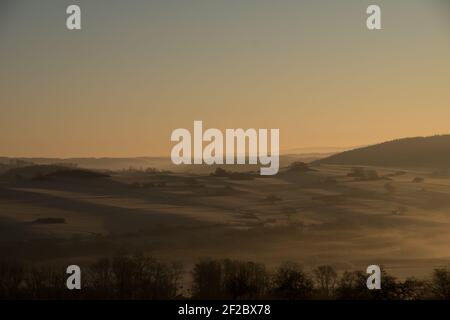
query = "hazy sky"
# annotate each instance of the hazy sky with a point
(139, 69)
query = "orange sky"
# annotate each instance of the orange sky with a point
(137, 70)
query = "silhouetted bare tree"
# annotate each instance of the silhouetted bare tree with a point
(441, 283)
(326, 279)
(352, 286)
(290, 283)
(11, 277)
(244, 280)
(207, 280)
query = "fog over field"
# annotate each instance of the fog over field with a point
(347, 216)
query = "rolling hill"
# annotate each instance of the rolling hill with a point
(427, 152)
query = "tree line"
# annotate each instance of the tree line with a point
(143, 277)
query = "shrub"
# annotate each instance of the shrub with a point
(362, 174)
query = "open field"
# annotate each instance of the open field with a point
(321, 214)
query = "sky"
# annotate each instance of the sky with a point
(140, 69)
